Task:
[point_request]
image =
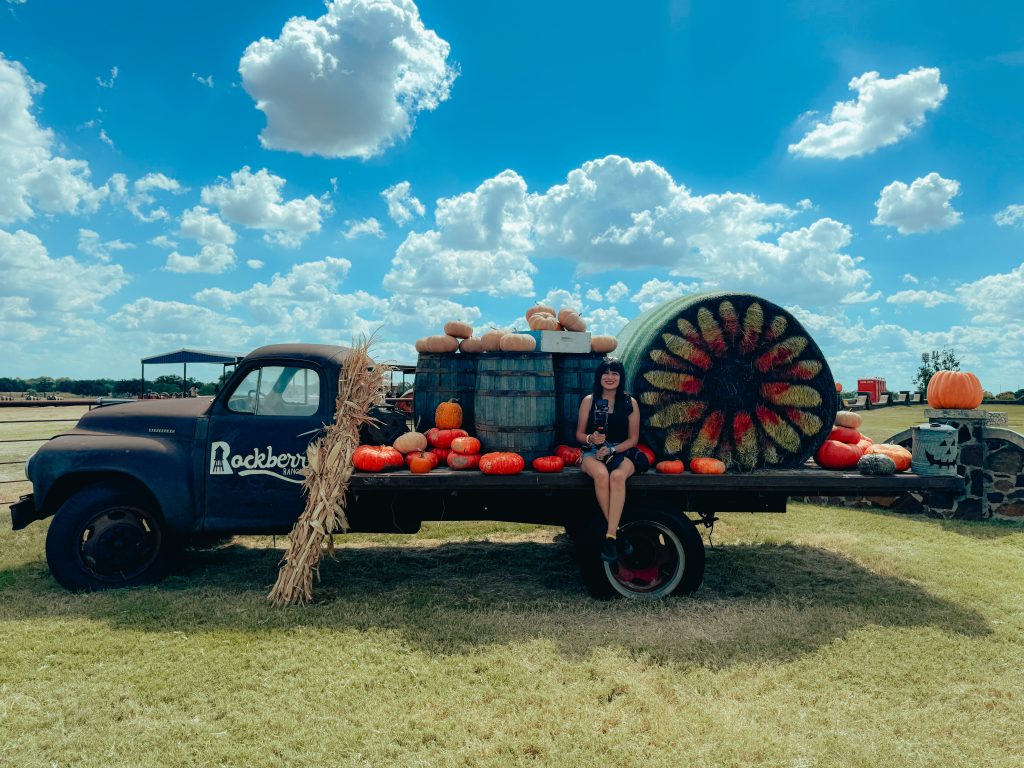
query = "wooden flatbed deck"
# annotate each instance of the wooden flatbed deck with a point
(807, 481)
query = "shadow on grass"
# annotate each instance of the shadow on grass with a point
(759, 603)
(975, 529)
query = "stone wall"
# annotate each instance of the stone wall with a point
(991, 463)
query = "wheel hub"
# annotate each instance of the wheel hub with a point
(118, 544)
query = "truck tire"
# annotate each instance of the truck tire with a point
(661, 553)
(105, 537)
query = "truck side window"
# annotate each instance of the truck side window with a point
(277, 391)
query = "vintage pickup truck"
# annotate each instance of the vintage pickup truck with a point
(134, 481)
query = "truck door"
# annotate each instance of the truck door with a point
(256, 448)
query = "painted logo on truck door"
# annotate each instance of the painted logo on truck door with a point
(284, 466)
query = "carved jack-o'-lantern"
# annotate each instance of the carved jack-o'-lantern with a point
(935, 450)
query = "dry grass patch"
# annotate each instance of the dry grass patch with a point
(822, 637)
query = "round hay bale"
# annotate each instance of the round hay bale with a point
(730, 376)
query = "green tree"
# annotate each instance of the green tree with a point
(936, 360)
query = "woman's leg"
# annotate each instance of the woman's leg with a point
(599, 472)
(617, 494)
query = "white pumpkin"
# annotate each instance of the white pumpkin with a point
(848, 419)
(541, 321)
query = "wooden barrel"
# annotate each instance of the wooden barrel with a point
(728, 375)
(515, 403)
(574, 380)
(441, 377)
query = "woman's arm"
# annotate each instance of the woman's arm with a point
(581, 422)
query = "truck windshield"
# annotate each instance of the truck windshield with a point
(277, 391)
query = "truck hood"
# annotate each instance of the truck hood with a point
(172, 419)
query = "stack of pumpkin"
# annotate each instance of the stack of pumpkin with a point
(457, 336)
(541, 317)
(847, 448)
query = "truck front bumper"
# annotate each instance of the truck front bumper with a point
(24, 512)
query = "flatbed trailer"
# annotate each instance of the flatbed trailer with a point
(661, 549)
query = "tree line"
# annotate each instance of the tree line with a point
(105, 387)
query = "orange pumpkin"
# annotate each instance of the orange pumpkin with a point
(491, 341)
(539, 308)
(571, 320)
(517, 342)
(572, 456)
(900, 455)
(674, 467)
(448, 415)
(542, 321)
(419, 465)
(954, 389)
(376, 458)
(466, 445)
(548, 464)
(502, 463)
(707, 466)
(472, 345)
(845, 435)
(441, 344)
(442, 438)
(432, 458)
(458, 329)
(603, 344)
(836, 455)
(463, 460)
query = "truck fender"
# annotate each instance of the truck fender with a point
(158, 469)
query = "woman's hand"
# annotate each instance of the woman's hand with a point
(597, 438)
(603, 452)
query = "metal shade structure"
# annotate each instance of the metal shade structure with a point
(186, 356)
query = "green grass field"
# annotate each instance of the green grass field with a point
(822, 637)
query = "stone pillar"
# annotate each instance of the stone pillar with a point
(973, 504)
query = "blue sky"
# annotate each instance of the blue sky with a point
(224, 175)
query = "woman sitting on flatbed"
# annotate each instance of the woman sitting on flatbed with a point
(609, 427)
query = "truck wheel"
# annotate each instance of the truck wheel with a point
(105, 537)
(660, 554)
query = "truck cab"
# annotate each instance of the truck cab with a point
(131, 480)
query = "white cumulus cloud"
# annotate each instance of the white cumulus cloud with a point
(925, 298)
(368, 226)
(31, 176)
(923, 206)
(615, 214)
(56, 293)
(215, 238)
(1010, 216)
(481, 244)
(349, 83)
(142, 203)
(884, 112)
(997, 299)
(91, 244)
(254, 200)
(402, 206)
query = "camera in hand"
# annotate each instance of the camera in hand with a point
(601, 415)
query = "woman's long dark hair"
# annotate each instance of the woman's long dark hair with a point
(622, 402)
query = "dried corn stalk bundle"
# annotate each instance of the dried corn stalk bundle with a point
(361, 384)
